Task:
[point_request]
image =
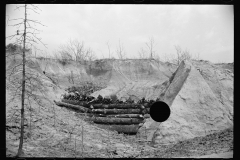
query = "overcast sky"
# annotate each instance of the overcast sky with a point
(206, 30)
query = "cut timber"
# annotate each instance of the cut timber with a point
(108, 120)
(75, 102)
(122, 115)
(106, 106)
(146, 111)
(113, 115)
(75, 107)
(118, 106)
(119, 111)
(121, 128)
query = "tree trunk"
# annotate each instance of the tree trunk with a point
(114, 115)
(122, 115)
(118, 111)
(108, 120)
(107, 106)
(103, 111)
(74, 107)
(118, 106)
(23, 89)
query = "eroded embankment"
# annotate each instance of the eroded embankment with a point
(195, 109)
(139, 78)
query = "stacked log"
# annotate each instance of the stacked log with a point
(122, 117)
(117, 111)
(74, 107)
(107, 106)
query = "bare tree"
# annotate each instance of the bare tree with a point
(150, 45)
(179, 51)
(120, 51)
(75, 50)
(142, 54)
(109, 51)
(22, 82)
(182, 55)
(66, 56)
(89, 55)
(186, 55)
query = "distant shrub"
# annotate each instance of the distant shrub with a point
(85, 88)
(12, 47)
(63, 61)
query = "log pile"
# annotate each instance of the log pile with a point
(74, 107)
(125, 117)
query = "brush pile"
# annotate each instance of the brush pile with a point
(122, 116)
(85, 88)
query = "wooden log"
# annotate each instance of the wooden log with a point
(140, 116)
(121, 128)
(121, 115)
(146, 111)
(106, 106)
(75, 102)
(74, 107)
(117, 111)
(118, 106)
(108, 120)
(121, 111)
(77, 106)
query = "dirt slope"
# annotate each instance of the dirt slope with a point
(220, 80)
(139, 78)
(195, 110)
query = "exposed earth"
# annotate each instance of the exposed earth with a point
(199, 93)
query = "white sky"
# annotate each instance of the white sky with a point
(203, 29)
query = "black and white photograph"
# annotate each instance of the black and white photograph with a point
(119, 80)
